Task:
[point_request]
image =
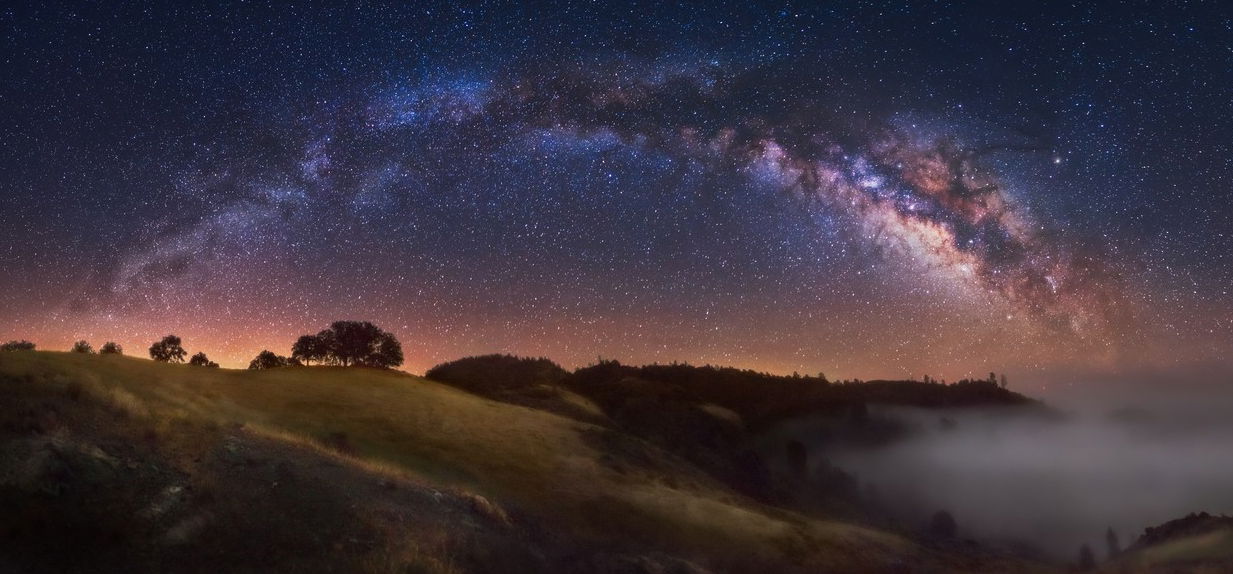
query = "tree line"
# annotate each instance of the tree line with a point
(343, 343)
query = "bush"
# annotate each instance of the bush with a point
(269, 360)
(22, 345)
(111, 348)
(200, 360)
(82, 347)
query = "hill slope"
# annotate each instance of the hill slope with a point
(1194, 543)
(306, 459)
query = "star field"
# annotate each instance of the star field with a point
(861, 189)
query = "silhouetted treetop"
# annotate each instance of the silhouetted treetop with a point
(22, 345)
(488, 373)
(312, 348)
(82, 347)
(350, 343)
(111, 348)
(200, 360)
(168, 350)
(761, 397)
(270, 360)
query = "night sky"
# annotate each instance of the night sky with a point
(862, 189)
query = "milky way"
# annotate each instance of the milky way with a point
(739, 202)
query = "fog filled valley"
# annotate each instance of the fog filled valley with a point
(1053, 481)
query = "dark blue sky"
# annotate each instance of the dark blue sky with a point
(627, 180)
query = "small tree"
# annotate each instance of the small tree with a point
(269, 360)
(200, 360)
(82, 347)
(22, 345)
(168, 350)
(111, 348)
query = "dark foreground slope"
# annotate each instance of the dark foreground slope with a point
(89, 482)
(112, 463)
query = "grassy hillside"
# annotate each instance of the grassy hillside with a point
(1197, 543)
(564, 485)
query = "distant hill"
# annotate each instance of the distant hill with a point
(112, 463)
(759, 398)
(723, 420)
(1198, 543)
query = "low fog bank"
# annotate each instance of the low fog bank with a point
(1059, 482)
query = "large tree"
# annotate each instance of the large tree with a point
(168, 350)
(351, 343)
(311, 348)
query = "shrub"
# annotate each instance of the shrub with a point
(22, 345)
(82, 347)
(200, 360)
(269, 360)
(111, 348)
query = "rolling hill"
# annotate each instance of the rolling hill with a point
(113, 461)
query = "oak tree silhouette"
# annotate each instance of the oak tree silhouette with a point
(111, 348)
(168, 350)
(350, 343)
(270, 360)
(201, 360)
(312, 348)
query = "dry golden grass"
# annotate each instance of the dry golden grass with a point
(1208, 552)
(406, 427)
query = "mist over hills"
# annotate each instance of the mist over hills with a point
(515, 464)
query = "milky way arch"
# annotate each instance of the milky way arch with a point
(926, 198)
